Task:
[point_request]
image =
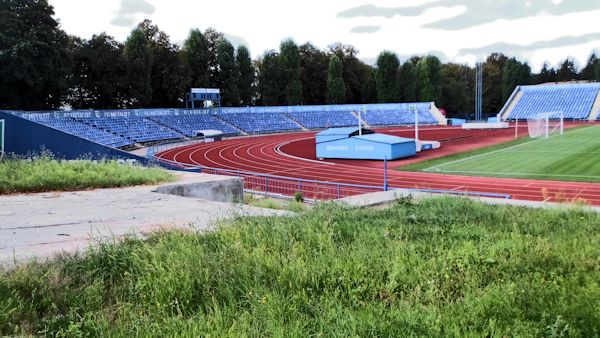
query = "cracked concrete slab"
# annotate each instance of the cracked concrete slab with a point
(44, 224)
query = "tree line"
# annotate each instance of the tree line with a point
(42, 67)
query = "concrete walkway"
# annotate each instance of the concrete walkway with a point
(41, 225)
(384, 198)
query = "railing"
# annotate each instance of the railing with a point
(273, 185)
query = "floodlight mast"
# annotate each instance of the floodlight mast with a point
(359, 123)
(414, 109)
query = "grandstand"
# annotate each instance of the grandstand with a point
(402, 116)
(135, 127)
(576, 101)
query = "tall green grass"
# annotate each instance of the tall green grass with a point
(443, 267)
(45, 173)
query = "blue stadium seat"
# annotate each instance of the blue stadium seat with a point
(324, 119)
(119, 128)
(77, 128)
(399, 116)
(260, 122)
(136, 129)
(574, 101)
(189, 123)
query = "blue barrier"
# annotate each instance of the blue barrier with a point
(274, 185)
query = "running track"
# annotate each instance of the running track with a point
(264, 154)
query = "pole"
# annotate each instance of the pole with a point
(547, 121)
(385, 180)
(561, 123)
(516, 128)
(359, 123)
(416, 125)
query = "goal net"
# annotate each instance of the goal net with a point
(545, 124)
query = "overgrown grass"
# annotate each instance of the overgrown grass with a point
(443, 267)
(277, 204)
(45, 173)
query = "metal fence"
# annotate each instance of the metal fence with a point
(272, 185)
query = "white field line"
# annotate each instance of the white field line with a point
(510, 174)
(278, 151)
(435, 168)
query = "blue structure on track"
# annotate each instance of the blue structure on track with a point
(351, 143)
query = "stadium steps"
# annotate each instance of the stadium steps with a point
(243, 132)
(364, 123)
(512, 105)
(296, 122)
(181, 135)
(437, 114)
(595, 108)
(96, 127)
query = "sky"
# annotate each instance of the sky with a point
(461, 31)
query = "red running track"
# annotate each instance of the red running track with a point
(263, 154)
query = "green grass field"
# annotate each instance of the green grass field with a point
(573, 156)
(443, 267)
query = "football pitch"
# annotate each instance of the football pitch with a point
(572, 156)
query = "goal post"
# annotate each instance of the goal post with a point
(545, 124)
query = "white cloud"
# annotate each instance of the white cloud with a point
(264, 23)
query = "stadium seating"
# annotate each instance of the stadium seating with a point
(136, 129)
(77, 128)
(397, 117)
(323, 119)
(260, 122)
(574, 101)
(120, 128)
(190, 123)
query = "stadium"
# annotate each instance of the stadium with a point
(188, 182)
(273, 148)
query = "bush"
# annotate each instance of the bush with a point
(298, 197)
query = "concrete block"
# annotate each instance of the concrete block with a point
(207, 187)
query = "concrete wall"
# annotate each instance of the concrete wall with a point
(24, 137)
(208, 187)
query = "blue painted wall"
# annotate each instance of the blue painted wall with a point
(24, 137)
(354, 148)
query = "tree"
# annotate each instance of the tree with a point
(515, 73)
(247, 75)
(168, 78)
(34, 56)
(271, 85)
(227, 75)
(212, 37)
(589, 71)
(290, 64)
(425, 91)
(196, 58)
(455, 89)
(369, 89)
(546, 75)
(98, 79)
(313, 74)
(435, 76)
(336, 89)
(355, 71)
(386, 77)
(407, 82)
(567, 71)
(493, 69)
(139, 69)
